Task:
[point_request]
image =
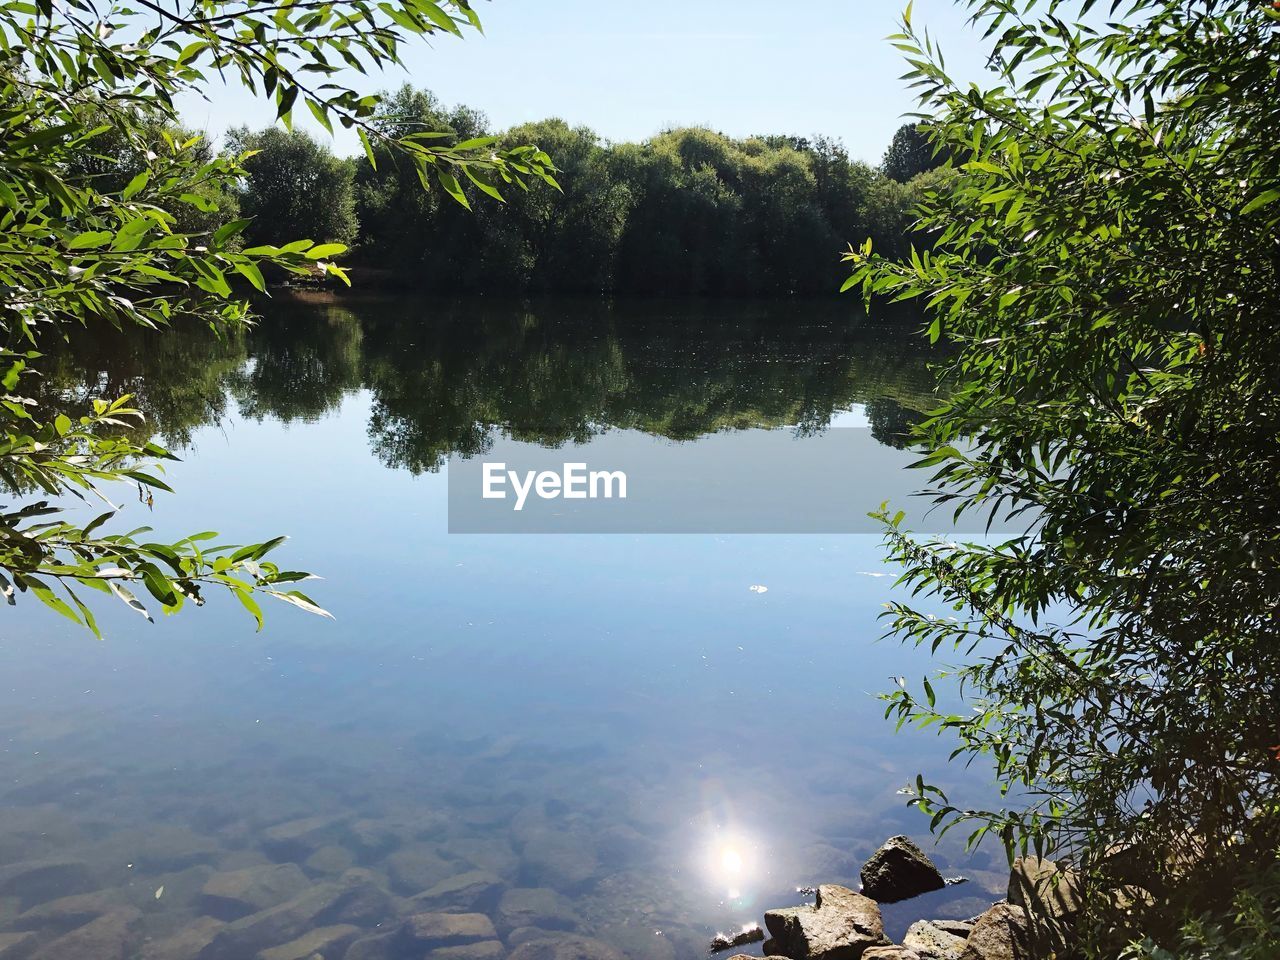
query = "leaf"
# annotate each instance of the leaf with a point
(326, 250)
(125, 594)
(250, 272)
(321, 114)
(229, 230)
(451, 186)
(300, 600)
(247, 601)
(90, 240)
(136, 185)
(1261, 200)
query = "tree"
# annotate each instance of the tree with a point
(910, 153)
(292, 179)
(1106, 265)
(79, 86)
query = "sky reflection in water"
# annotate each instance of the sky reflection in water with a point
(617, 718)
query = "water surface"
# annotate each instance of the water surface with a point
(618, 719)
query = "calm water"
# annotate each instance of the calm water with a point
(617, 719)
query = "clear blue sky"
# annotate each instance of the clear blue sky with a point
(629, 68)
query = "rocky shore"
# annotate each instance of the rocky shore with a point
(841, 924)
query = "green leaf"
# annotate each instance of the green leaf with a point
(90, 240)
(326, 250)
(136, 185)
(250, 272)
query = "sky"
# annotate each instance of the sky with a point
(630, 68)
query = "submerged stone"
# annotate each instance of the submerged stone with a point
(274, 926)
(238, 893)
(484, 950)
(36, 881)
(322, 940)
(447, 929)
(380, 946)
(66, 913)
(107, 938)
(15, 945)
(418, 867)
(566, 946)
(299, 839)
(185, 944)
(464, 890)
(330, 858)
(535, 907)
(559, 860)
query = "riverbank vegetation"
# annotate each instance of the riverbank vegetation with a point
(687, 212)
(1105, 264)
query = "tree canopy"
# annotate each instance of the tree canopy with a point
(688, 211)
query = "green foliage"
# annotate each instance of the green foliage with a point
(1105, 263)
(110, 213)
(689, 211)
(910, 154)
(1246, 929)
(293, 182)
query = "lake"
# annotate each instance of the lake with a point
(616, 727)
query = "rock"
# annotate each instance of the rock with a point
(1000, 934)
(525, 934)
(624, 846)
(493, 854)
(929, 940)
(162, 847)
(465, 891)
(891, 952)
(330, 858)
(447, 929)
(558, 859)
(899, 870)
(238, 893)
(185, 944)
(322, 940)
(36, 881)
(183, 890)
(841, 925)
(725, 941)
(957, 928)
(299, 839)
(107, 938)
(67, 913)
(1043, 890)
(535, 907)
(565, 947)
(484, 950)
(363, 900)
(418, 867)
(380, 946)
(747, 956)
(15, 946)
(276, 925)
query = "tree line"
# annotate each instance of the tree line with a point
(689, 211)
